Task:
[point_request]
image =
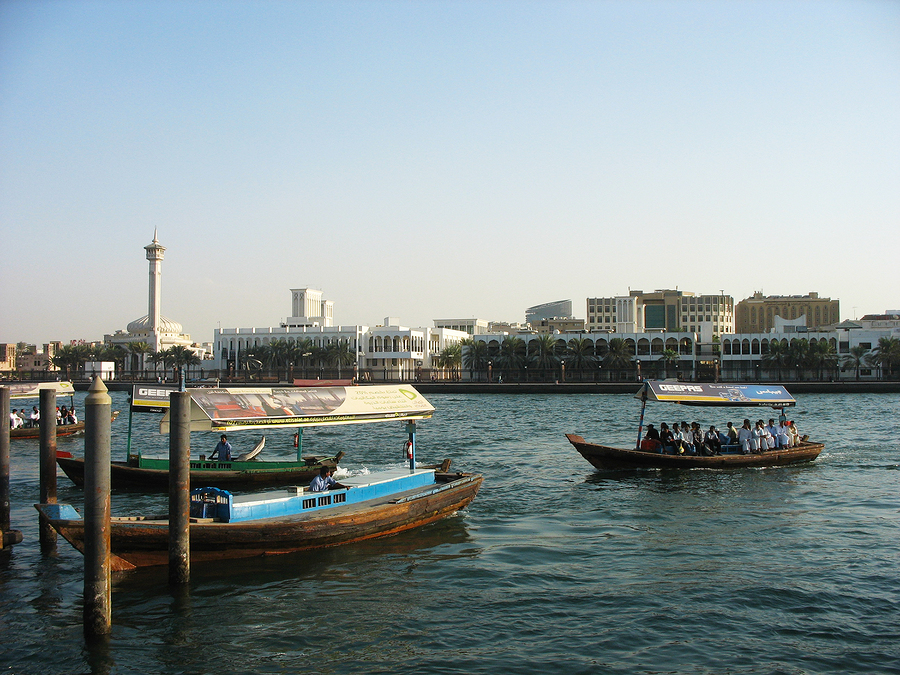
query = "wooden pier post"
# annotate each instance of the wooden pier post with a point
(47, 466)
(179, 487)
(97, 601)
(8, 536)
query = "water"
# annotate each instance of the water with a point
(554, 567)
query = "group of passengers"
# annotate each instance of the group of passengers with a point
(17, 418)
(682, 439)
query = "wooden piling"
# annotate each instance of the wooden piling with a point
(179, 487)
(97, 601)
(47, 534)
(4, 465)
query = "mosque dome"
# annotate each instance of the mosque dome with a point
(142, 325)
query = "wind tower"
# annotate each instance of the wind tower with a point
(155, 253)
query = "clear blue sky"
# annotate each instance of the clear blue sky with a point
(440, 159)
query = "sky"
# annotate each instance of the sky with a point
(440, 159)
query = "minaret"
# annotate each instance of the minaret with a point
(155, 254)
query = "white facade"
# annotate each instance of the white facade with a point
(309, 309)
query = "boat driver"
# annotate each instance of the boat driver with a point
(323, 481)
(222, 451)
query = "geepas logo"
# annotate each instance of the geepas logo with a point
(680, 387)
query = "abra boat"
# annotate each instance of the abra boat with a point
(225, 526)
(29, 390)
(261, 408)
(720, 395)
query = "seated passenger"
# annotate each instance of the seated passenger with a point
(667, 438)
(687, 438)
(732, 434)
(793, 434)
(323, 481)
(711, 443)
(651, 441)
(697, 436)
(745, 438)
(759, 434)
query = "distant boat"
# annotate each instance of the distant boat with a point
(226, 526)
(729, 395)
(32, 390)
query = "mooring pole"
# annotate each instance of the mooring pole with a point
(179, 487)
(97, 423)
(8, 536)
(48, 466)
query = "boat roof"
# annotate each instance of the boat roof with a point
(33, 389)
(728, 395)
(225, 409)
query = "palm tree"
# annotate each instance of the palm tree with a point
(859, 356)
(339, 353)
(451, 358)
(474, 355)
(799, 355)
(513, 354)
(618, 355)
(543, 353)
(139, 349)
(301, 352)
(668, 358)
(822, 356)
(66, 358)
(777, 357)
(182, 358)
(580, 355)
(887, 355)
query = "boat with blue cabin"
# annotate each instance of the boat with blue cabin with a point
(606, 457)
(225, 525)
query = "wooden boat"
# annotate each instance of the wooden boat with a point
(226, 526)
(223, 409)
(729, 395)
(32, 390)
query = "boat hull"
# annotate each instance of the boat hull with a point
(605, 457)
(240, 476)
(144, 542)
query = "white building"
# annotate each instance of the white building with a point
(389, 351)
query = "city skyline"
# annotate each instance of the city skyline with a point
(440, 159)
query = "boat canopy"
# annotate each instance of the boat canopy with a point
(33, 389)
(273, 407)
(733, 395)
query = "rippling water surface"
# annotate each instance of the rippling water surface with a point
(554, 566)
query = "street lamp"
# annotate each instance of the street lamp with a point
(490, 371)
(639, 371)
(563, 363)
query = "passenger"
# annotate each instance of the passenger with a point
(72, 419)
(35, 416)
(651, 440)
(759, 433)
(711, 443)
(667, 438)
(222, 451)
(697, 439)
(771, 436)
(323, 481)
(793, 434)
(14, 420)
(732, 434)
(678, 437)
(745, 438)
(64, 415)
(58, 416)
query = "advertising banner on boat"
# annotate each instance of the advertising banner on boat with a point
(246, 408)
(33, 389)
(689, 393)
(151, 398)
